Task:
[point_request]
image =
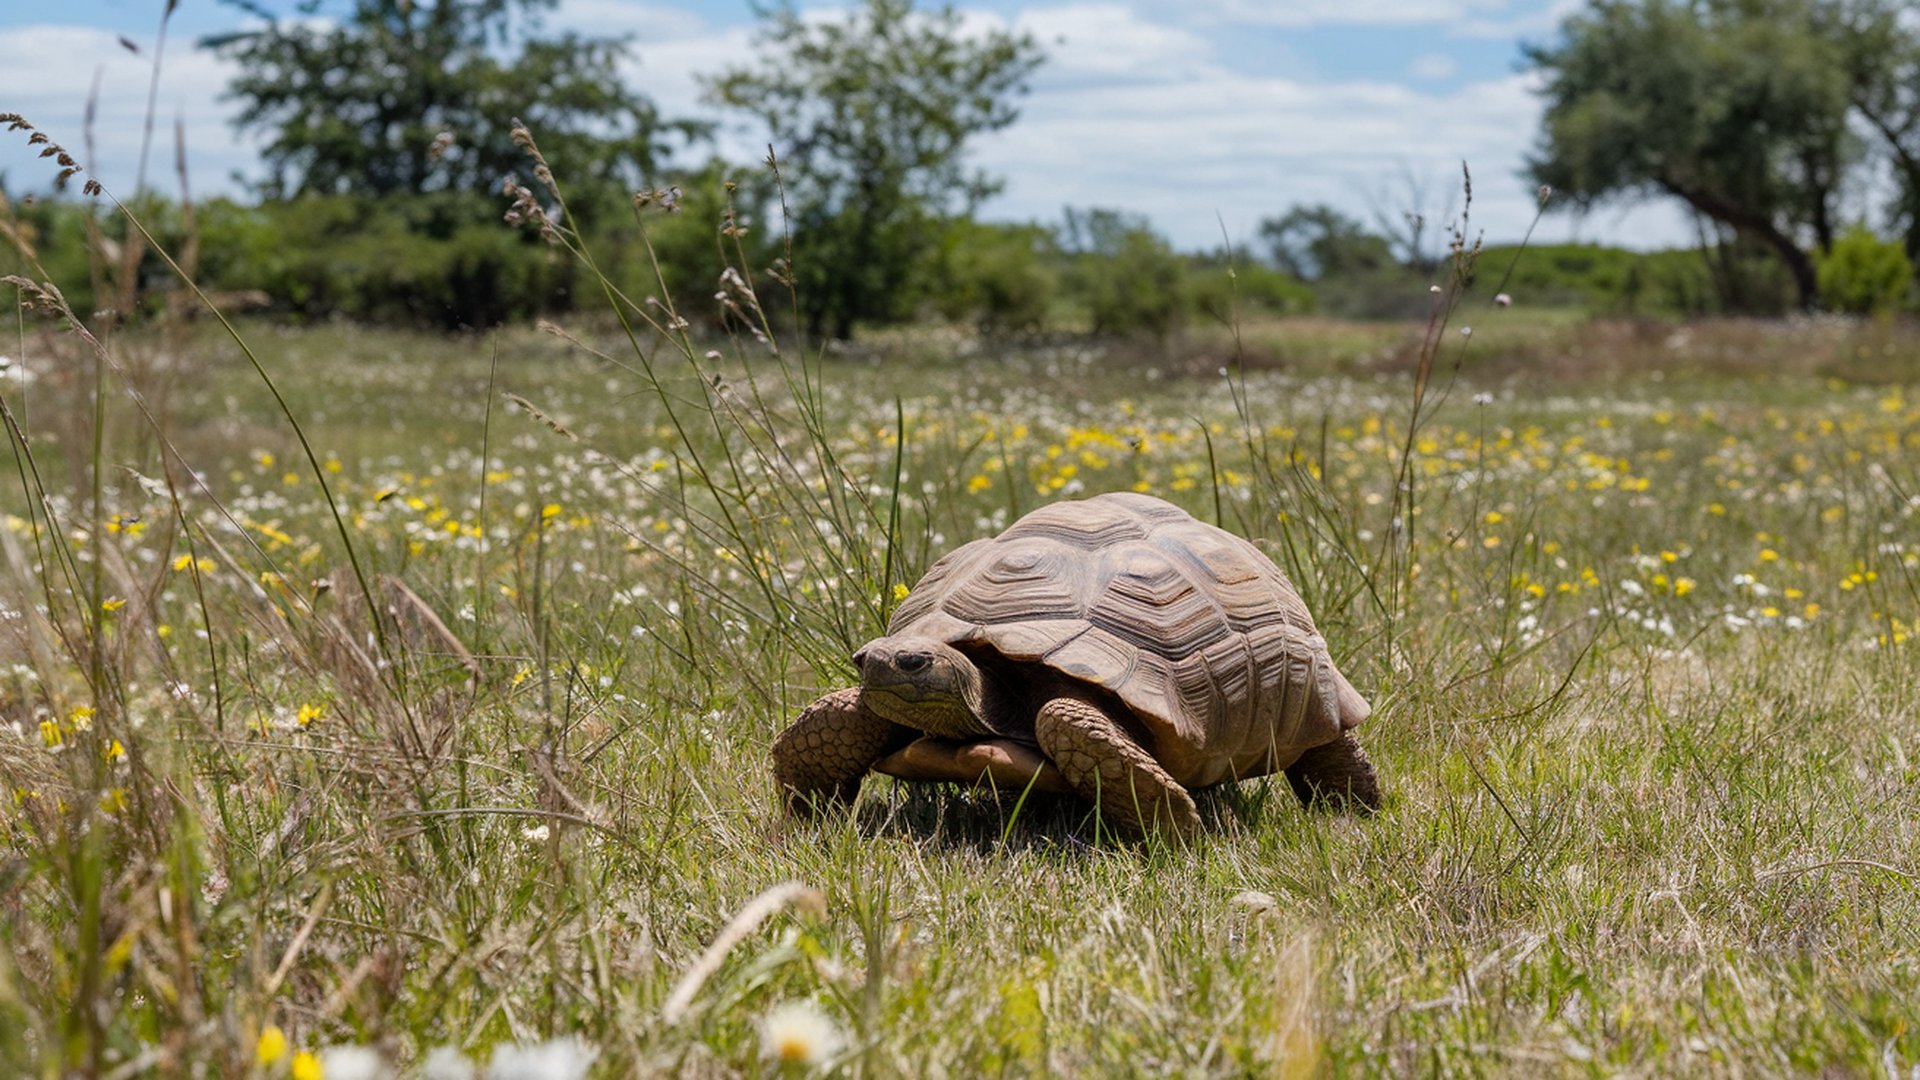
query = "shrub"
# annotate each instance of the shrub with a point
(1863, 274)
(1252, 287)
(434, 260)
(1001, 278)
(1124, 275)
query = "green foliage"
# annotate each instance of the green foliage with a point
(1883, 53)
(1602, 280)
(678, 244)
(1001, 278)
(1222, 290)
(1740, 109)
(390, 131)
(82, 252)
(424, 261)
(1864, 275)
(870, 117)
(1315, 242)
(53, 233)
(358, 106)
(1124, 276)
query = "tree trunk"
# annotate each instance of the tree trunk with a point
(1800, 265)
(1797, 261)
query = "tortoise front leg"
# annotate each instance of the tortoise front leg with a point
(1338, 774)
(821, 757)
(1105, 765)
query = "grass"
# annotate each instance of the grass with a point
(454, 735)
(1647, 717)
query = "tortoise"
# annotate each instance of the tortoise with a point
(1113, 647)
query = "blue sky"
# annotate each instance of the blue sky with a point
(1197, 113)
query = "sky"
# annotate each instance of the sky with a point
(1204, 115)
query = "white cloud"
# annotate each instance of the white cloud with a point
(1336, 12)
(50, 74)
(615, 18)
(1239, 148)
(1433, 66)
(1524, 26)
(1107, 41)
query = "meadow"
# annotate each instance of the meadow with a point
(408, 707)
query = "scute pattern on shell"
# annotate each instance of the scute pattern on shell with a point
(1191, 627)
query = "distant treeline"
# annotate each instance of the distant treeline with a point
(448, 261)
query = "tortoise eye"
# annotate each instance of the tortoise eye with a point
(913, 661)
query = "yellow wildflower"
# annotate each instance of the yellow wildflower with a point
(271, 1047)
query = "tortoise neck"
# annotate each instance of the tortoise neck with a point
(992, 701)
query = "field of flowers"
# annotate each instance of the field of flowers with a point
(430, 734)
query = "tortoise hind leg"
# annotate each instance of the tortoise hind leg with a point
(1336, 774)
(821, 757)
(1104, 764)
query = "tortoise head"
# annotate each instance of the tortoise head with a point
(924, 684)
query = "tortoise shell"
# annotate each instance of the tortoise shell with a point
(1192, 628)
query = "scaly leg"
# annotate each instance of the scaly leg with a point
(1104, 764)
(821, 757)
(1337, 773)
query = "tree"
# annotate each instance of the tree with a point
(1126, 275)
(1737, 107)
(870, 118)
(1317, 242)
(358, 105)
(1412, 222)
(1883, 55)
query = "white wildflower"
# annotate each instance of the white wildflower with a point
(798, 1033)
(353, 1063)
(564, 1058)
(446, 1063)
